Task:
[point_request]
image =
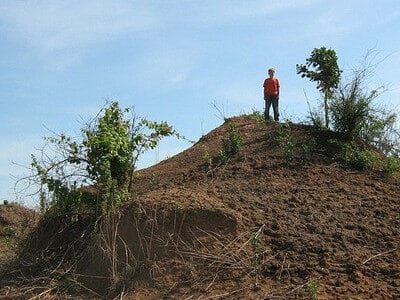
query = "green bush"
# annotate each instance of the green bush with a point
(105, 158)
(350, 112)
(354, 114)
(285, 141)
(108, 147)
(357, 157)
(230, 146)
(391, 164)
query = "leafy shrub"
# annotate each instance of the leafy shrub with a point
(285, 141)
(105, 158)
(309, 147)
(230, 146)
(354, 113)
(363, 159)
(108, 147)
(356, 156)
(391, 164)
(316, 119)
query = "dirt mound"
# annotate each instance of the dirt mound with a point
(15, 223)
(282, 219)
(320, 222)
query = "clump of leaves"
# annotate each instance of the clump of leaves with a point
(365, 159)
(309, 148)
(392, 164)
(207, 159)
(285, 141)
(355, 115)
(312, 288)
(230, 146)
(105, 158)
(256, 114)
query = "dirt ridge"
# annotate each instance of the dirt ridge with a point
(259, 227)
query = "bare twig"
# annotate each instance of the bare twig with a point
(377, 255)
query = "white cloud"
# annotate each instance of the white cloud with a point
(51, 26)
(63, 29)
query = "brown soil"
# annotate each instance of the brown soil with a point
(263, 226)
(16, 222)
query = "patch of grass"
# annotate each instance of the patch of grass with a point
(391, 164)
(312, 288)
(230, 146)
(347, 296)
(364, 159)
(9, 242)
(255, 243)
(207, 158)
(360, 158)
(9, 230)
(256, 114)
(154, 180)
(285, 141)
(309, 148)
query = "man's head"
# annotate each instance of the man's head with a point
(271, 72)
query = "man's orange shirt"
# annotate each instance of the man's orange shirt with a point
(271, 86)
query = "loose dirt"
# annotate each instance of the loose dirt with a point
(270, 224)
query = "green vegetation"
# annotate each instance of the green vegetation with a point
(154, 179)
(285, 141)
(361, 158)
(258, 115)
(230, 146)
(104, 159)
(350, 106)
(207, 159)
(8, 235)
(355, 115)
(322, 68)
(312, 288)
(255, 243)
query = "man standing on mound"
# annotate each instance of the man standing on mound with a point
(271, 94)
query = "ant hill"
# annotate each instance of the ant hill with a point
(250, 211)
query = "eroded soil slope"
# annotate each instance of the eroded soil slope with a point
(317, 222)
(282, 219)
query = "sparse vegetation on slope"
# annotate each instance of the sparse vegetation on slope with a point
(105, 158)
(259, 227)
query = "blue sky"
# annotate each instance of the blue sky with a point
(61, 60)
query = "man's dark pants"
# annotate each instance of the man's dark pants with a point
(271, 99)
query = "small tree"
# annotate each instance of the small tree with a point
(108, 147)
(322, 68)
(105, 158)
